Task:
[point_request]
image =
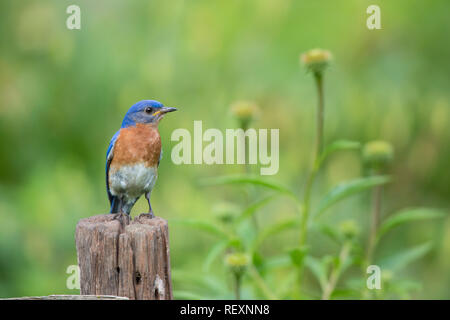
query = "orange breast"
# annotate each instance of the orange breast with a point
(137, 144)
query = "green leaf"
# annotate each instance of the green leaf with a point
(337, 146)
(202, 225)
(277, 262)
(350, 188)
(345, 293)
(213, 253)
(318, 269)
(235, 243)
(248, 179)
(298, 255)
(408, 215)
(332, 233)
(402, 259)
(247, 213)
(272, 230)
(257, 259)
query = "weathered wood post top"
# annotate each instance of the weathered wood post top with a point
(124, 258)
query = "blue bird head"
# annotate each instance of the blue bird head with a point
(145, 112)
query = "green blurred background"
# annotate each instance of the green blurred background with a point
(63, 94)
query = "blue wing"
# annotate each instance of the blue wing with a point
(109, 156)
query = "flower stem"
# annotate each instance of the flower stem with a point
(375, 218)
(320, 113)
(316, 166)
(306, 204)
(336, 272)
(237, 286)
(319, 146)
(244, 125)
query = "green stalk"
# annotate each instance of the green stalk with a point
(304, 218)
(237, 285)
(244, 124)
(320, 113)
(375, 219)
(306, 204)
(374, 222)
(319, 147)
(336, 272)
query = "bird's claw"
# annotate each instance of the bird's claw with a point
(148, 215)
(123, 218)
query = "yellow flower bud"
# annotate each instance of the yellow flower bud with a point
(349, 228)
(237, 260)
(377, 154)
(245, 111)
(316, 60)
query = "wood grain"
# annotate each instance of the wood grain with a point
(124, 258)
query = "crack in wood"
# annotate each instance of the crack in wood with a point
(131, 260)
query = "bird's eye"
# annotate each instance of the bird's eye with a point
(148, 110)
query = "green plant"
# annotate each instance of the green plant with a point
(240, 241)
(237, 262)
(376, 156)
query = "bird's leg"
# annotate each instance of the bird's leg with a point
(121, 205)
(150, 210)
(123, 218)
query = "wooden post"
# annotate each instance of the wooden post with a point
(122, 258)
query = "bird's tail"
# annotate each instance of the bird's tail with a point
(122, 206)
(115, 205)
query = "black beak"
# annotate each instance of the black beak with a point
(168, 109)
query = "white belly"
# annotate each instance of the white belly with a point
(132, 181)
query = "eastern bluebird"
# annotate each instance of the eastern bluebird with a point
(133, 156)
